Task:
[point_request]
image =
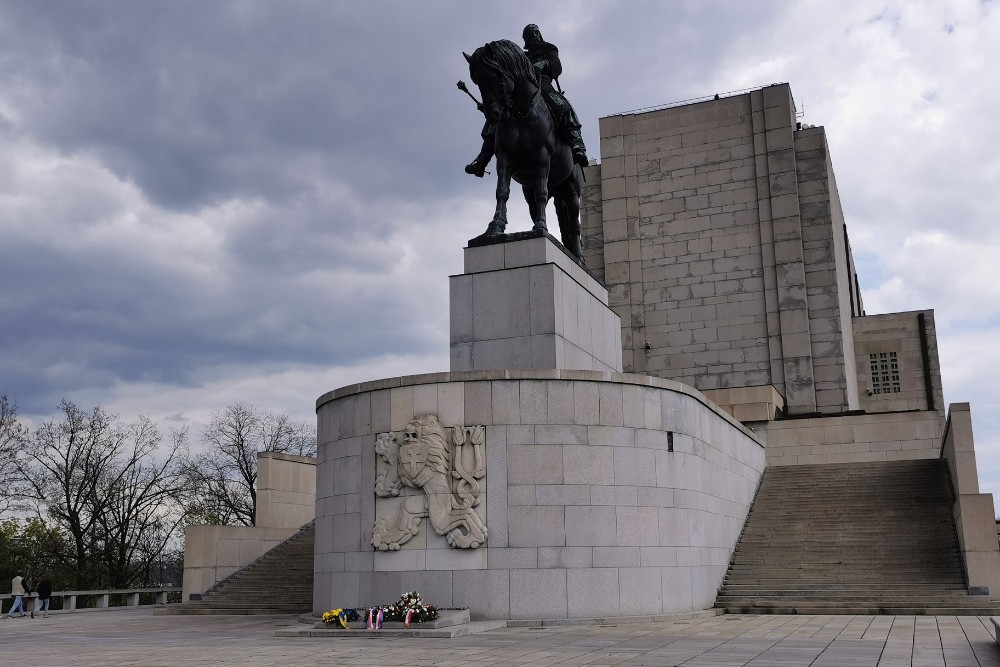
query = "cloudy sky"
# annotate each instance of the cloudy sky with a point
(204, 202)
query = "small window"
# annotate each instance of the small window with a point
(885, 372)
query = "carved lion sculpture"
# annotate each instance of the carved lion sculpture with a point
(426, 460)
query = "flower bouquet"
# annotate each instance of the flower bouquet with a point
(342, 616)
(409, 608)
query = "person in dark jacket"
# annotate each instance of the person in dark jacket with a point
(44, 593)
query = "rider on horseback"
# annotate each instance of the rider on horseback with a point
(545, 58)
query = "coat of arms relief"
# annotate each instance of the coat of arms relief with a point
(447, 465)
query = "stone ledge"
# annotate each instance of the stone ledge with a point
(616, 620)
(390, 631)
(283, 456)
(471, 628)
(514, 237)
(536, 374)
(446, 619)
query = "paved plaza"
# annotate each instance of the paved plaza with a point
(137, 638)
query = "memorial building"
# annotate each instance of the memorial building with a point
(607, 486)
(703, 415)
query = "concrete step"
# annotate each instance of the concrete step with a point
(844, 537)
(982, 601)
(280, 582)
(861, 610)
(186, 610)
(765, 588)
(931, 589)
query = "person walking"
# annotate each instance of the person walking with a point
(17, 590)
(44, 593)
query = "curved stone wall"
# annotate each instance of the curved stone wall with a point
(604, 494)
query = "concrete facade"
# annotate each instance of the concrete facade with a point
(286, 490)
(606, 495)
(907, 342)
(854, 438)
(975, 519)
(718, 230)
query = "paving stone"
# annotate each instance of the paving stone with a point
(137, 637)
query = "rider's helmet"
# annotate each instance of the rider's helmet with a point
(531, 35)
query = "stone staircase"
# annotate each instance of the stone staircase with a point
(859, 538)
(279, 582)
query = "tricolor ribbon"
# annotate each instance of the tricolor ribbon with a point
(409, 615)
(375, 619)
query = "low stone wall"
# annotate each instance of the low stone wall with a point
(975, 519)
(604, 494)
(851, 438)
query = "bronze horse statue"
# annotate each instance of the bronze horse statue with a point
(527, 145)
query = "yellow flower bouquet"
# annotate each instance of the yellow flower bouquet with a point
(336, 616)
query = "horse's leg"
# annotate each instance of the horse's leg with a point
(567, 202)
(529, 197)
(499, 222)
(541, 194)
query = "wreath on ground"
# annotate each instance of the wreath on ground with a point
(409, 608)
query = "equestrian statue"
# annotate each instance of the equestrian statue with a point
(533, 131)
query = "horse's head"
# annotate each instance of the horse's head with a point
(496, 69)
(495, 88)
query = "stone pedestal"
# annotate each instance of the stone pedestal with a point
(525, 303)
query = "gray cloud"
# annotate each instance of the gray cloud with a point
(204, 202)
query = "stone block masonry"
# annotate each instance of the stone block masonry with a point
(524, 302)
(897, 360)
(718, 230)
(606, 494)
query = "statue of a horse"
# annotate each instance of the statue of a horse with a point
(528, 146)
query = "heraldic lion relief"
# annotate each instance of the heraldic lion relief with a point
(433, 459)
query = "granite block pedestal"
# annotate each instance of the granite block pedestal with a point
(528, 303)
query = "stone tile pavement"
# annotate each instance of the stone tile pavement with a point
(137, 638)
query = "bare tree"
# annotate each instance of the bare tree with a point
(12, 438)
(99, 481)
(143, 510)
(225, 474)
